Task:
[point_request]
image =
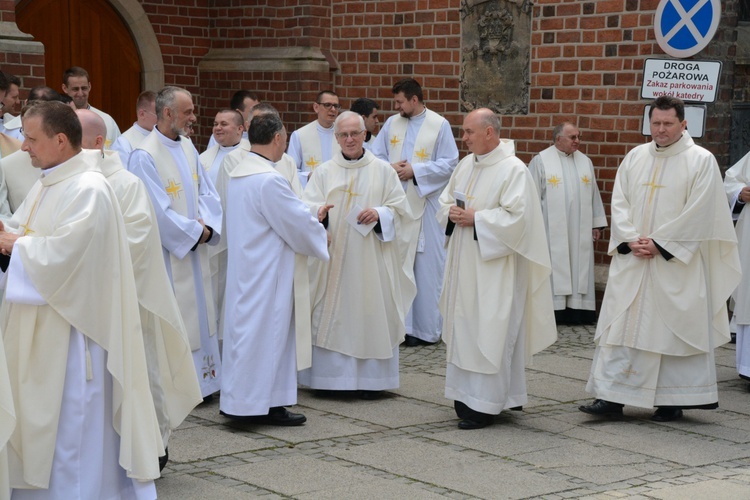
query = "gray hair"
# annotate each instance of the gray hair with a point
(558, 130)
(345, 115)
(166, 98)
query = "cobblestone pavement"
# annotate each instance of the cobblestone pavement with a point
(407, 445)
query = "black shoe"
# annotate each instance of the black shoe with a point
(279, 415)
(164, 459)
(666, 414)
(370, 395)
(208, 399)
(468, 424)
(602, 407)
(516, 408)
(411, 341)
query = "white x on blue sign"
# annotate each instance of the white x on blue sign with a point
(684, 27)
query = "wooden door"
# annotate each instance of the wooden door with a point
(90, 34)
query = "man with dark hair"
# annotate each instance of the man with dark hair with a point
(419, 145)
(188, 212)
(674, 264)
(145, 111)
(496, 303)
(314, 144)
(266, 224)
(77, 85)
(8, 144)
(243, 102)
(369, 111)
(574, 218)
(87, 428)
(11, 103)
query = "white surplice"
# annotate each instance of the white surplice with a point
(188, 195)
(661, 319)
(572, 207)
(496, 299)
(361, 296)
(212, 158)
(128, 141)
(431, 173)
(266, 225)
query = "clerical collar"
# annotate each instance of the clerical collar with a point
(354, 159)
(424, 110)
(169, 138)
(255, 152)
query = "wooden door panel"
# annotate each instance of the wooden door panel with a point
(90, 34)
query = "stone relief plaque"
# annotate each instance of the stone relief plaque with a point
(495, 55)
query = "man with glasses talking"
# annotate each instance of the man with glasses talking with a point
(574, 218)
(314, 144)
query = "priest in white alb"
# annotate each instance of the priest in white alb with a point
(361, 296)
(496, 300)
(266, 226)
(314, 144)
(87, 428)
(171, 374)
(419, 145)
(188, 213)
(574, 219)
(674, 265)
(737, 188)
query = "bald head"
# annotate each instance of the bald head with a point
(481, 131)
(94, 129)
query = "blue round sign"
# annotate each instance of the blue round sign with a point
(684, 27)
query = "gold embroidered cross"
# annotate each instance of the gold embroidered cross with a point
(350, 192)
(195, 175)
(554, 180)
(173, 190)
(629, 371)
(654, 186)
(422, 155)
(585, 179)
(395, 140)
(26, 229)
(312, 163)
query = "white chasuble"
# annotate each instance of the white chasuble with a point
(181, 194)
(657, 309)
(212, 158)
(267, 228)
(497, 286)
(572, 207)
(75, 254)
(174, 385)
(361, 296)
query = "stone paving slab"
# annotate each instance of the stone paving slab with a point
(199, 443)
(407, 446)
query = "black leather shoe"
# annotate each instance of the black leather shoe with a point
(164, 459)
(280, 416)
(666, 414)
(468, 424)
(411, 341)
(602, 407)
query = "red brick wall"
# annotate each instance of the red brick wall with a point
(28, 67)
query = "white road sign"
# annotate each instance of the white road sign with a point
(694, 81)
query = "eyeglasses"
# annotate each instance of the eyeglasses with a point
(329, 105)
(578, 137)
(346, 135)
